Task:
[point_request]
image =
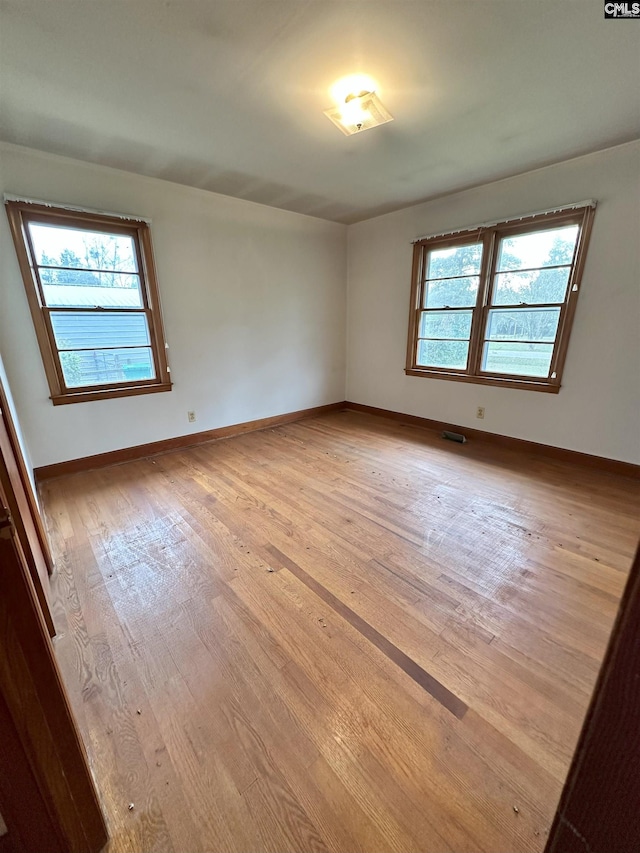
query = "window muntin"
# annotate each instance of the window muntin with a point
(495, 305)
(532, 269)
(82, 248)
(90, 367)
(450, 290)
(105, 347)
(93, 297)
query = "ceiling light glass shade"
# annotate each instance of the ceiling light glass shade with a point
(351, 85)
(359, 112)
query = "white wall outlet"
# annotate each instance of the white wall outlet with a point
(480, 412)
(191, 416)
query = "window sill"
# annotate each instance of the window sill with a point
(109, 393)
(501, 382)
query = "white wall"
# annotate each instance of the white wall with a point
(253, 302)
(598, 408)
(254, 308)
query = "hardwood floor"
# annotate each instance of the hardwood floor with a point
(341, 634)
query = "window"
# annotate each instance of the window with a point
(495, 305)
(93, 296)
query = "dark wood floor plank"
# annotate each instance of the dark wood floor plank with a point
(439, 692)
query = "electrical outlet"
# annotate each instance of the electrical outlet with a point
(480, 412)
(191, 416)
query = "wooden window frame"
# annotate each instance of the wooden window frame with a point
(20, 214)
(490, 237)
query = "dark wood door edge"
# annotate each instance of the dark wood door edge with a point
(36, 701)
(599, 807)
(24, 476)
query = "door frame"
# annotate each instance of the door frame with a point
(10, 424)
(17, 492)
(42, 752)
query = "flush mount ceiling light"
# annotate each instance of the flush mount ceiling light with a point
(358, 107)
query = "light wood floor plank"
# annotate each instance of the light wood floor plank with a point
(342, 634)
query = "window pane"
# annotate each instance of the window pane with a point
(536, 324)
(445, 324)
(459, 260)
(538, 249)
(77, 329)
(512, 288)
(443, 354)
(97, 290)
(74, 247)
(518, 359)
(99, 367)
(451, 292)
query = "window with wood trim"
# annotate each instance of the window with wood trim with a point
(92, 290)
(494, 305)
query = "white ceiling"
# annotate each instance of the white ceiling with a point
(228, 96)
